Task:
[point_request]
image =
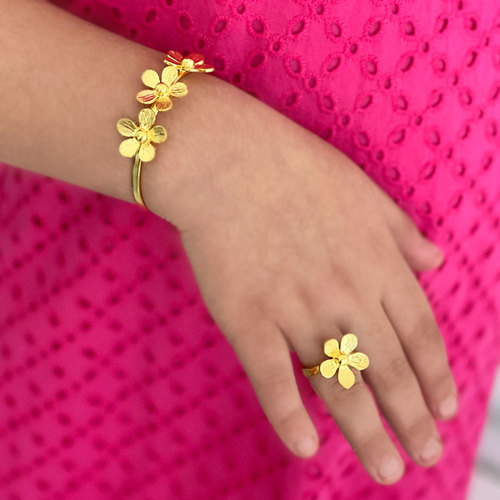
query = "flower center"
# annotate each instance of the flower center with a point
(162, 89)
(343, 358)
(141, 135)
(187, 64)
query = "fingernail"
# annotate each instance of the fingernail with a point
(306, 446)
(431, 450)
(390, 469)
(448, 407)
(437, 254)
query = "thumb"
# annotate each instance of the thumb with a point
(420, 253)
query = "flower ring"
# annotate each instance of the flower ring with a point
(341, 358)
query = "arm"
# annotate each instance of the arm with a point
(65, 83)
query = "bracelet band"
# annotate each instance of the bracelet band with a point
(158, 96)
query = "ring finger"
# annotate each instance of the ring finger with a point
(356, 415)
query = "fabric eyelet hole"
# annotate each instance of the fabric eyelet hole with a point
(418, 120)
(395, 8)
(436, 98)
(387, 83)
(256, 60)
(409, 28)
(294, 65)
(241, 8)
(219, 64)
(336, 29)
(439, 65)
(425, 47)
(365, 101)
(407, 63)
(428, 171)
(220, 25)
(471, 57)
(291, 99)
(371, 67)
(363, 139)
(298, 27)
(169, 2)
(441, 24)
(393, 174)
(87, 10)
(116, 12)
(495, 92)
(151, 16)
(276, 46)
(201, 43)
(374, 28)
(312, 82)
(471, 23)
(237, 78)
(258, 26)
(402, 103)
(320, 9)
(327, 102)
(379, 155)
(345, 120)
(353, 48)
(184, 22)
(333, 64)
(397, 137)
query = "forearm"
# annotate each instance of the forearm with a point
(65, 83)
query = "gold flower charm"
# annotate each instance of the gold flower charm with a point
(161, 90)
(141, 135)
(192, 63)
(342, 358)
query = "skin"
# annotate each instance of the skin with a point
(291, 243)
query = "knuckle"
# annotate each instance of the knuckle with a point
(395, 373)
(424, 333)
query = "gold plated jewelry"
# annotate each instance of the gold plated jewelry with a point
(341, 358)
(158, 96)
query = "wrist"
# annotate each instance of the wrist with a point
(204, 137)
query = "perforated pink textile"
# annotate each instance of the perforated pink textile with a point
(116, 383)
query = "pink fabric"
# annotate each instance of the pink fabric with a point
(115, 381)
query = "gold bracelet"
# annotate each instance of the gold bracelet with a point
(158, 95)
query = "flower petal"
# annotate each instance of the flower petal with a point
(331, 348)
(126, 127)
(348, 343)
(129, 147)
(358, 360)
(150, 78)
(169, 74)
(147, 152)
(164, 103)
(147, 96)
(173, 57)
(157, 134)
(346, 377)
(178, 89)
(146, 118)
(328, 367)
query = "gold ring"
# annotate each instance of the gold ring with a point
(340, 358)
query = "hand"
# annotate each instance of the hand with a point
(292, 244)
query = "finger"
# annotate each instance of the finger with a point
(396, 388)
(266, 359)
(420, 253)
(411, 315)
(355, 413)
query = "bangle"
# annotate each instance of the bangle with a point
(158, 95)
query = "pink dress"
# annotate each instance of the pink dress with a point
(116, 383)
